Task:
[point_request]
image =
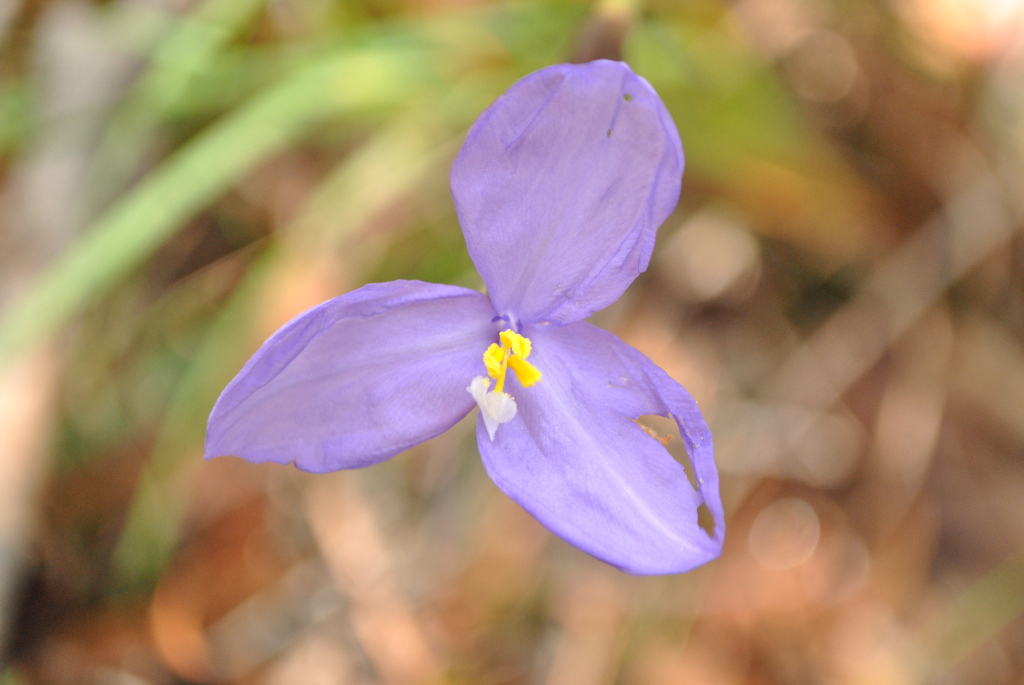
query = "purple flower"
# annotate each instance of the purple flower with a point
(560, 188)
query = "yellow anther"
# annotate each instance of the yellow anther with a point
(512, 352)
(493, 358)
(527, 373)
(519, 345)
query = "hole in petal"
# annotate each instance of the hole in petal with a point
(665, 431)
(609, 133)
(627, 97)
(706, 520)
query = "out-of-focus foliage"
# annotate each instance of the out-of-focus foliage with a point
(841, 288)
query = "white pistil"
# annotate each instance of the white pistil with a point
(496, 407)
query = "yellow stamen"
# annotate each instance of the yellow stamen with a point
(502, 372)
(512, 352)
(527, 373)
(520, 346)
(492, 360)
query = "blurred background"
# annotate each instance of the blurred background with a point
(841, 288)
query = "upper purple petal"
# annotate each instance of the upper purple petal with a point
(357, 379)
(574, 459)
(560, 188)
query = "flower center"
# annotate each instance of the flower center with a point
(512, 352)
(497, 406)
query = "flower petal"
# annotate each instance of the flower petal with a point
(560, 188)
(356, 379)
(574, 458)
